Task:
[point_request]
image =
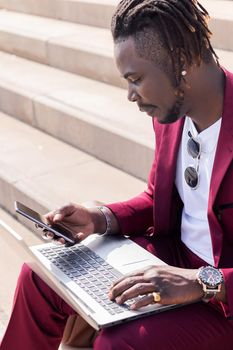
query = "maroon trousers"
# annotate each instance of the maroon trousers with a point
(39, 316)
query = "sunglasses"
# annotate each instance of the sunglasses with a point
(191, 174)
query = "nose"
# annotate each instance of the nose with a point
(132, 94)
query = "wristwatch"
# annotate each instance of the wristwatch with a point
(211, 280)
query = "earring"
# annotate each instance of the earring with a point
(183, 73)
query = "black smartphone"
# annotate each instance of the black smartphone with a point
(57, 229)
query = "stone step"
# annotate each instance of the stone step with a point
(90, 115)
(84, 113)
(45, 173)
(225, 58)
(98, 13)
(75, 48)
(221, 23)
(91, 12)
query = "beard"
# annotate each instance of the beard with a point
(174, 113)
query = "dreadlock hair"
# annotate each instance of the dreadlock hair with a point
(178, 26)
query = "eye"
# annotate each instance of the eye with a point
(135, 80)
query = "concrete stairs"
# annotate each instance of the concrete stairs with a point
(80, 111)
(86, 52)
(45, 172)
(67, 131)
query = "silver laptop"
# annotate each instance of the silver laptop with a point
(82, 274)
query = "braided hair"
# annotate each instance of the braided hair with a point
(178, 26)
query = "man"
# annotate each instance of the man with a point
(162, 49)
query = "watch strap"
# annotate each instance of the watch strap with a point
(208, 296)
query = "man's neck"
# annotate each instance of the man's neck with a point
(206, 94)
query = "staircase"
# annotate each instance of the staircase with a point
(80, 138)
(67, 131)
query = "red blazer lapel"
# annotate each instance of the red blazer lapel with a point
(167, 141)
(223, 158)
(224, 149)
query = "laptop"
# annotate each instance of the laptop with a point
(82, 274)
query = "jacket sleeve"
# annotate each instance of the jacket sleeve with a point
(135, 215)
(228, 280)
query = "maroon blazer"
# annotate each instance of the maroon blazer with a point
(160, 206)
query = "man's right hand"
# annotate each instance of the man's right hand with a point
(79, 220)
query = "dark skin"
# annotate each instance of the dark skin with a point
(149, 86)
(153, 91)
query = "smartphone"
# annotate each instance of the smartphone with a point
(57, 229)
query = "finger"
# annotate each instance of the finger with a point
(123, 285)
(56, 242)
(119, 286)
(51, 215)
(143, 301)
(47, 236)
(60, 241)
(59, 213)
(136, 273)
(80, 236)
(55, 215)
(39, 227)
(137, 290)
(58, 216)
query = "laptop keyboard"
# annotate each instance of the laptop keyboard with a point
(93, 274)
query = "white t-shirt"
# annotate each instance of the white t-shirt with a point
(195, 232)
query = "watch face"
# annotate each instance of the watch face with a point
(210, 276)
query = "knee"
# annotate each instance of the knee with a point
(106, 341)
(113, 338)
(25, 275)
(25, 280)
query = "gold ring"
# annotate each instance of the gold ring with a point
(157, 297)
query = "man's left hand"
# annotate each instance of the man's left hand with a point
(174, 285)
